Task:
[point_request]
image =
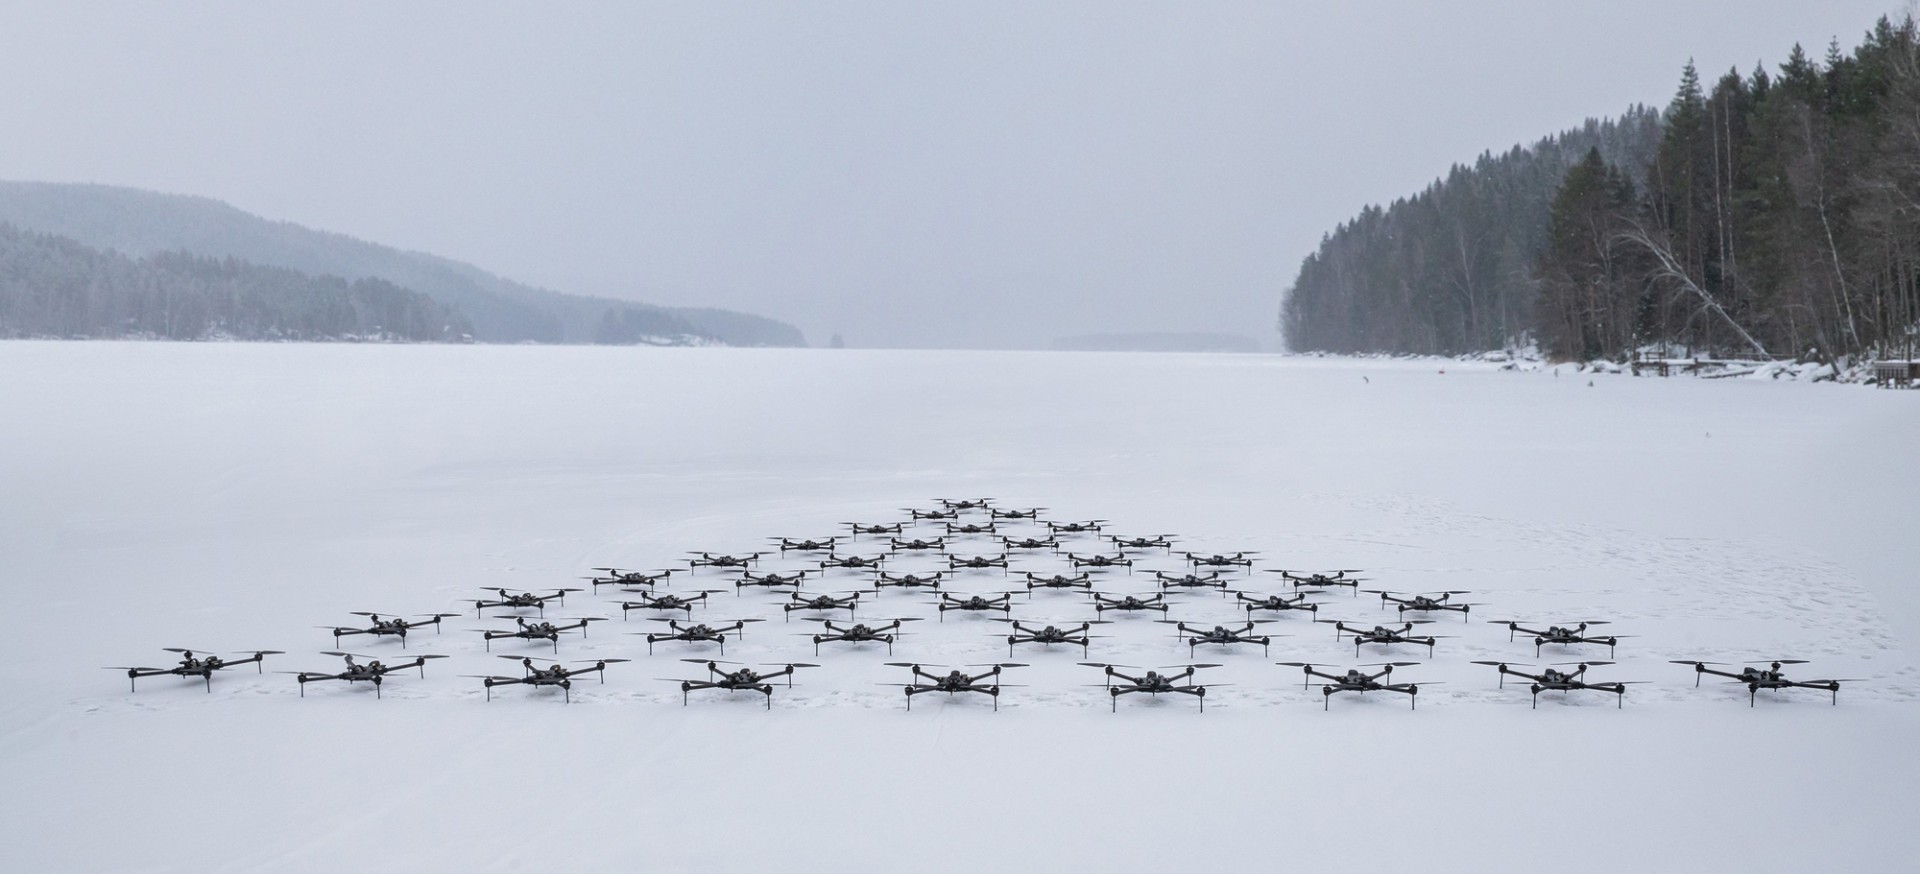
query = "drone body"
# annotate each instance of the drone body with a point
(860, 633)
(554, 674)
(541, 630)
(374, 671)
(194, 666)
(521, 600)
(1152, 683)
(1553, 680)
(1356, 680)
(698, 632)
(955, 682)
(1129, 603)
(1770, 677)
(742, 679)
(396, 627)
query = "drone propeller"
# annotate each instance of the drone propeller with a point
(995, 665)
(1388, 664)
(599, 661)
(1781, 661)
(1685, 662)
(1503, 664)
(711, 662)
(1581, 664)
(268, 652)
(1105, 665)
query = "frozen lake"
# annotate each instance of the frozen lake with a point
(236, 496)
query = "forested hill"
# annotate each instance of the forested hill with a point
(141, 223)
(1768, 214)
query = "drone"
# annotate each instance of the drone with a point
(1277, 603)
(1356, 680)
(522, 600)
(698, 633)
(1128, 603)
(771, 580)
(954, 681)
(1163, 541)
(860, 633)
(971, 529)
(1561, 635)
(1238, 559)
(708, 559)
(978, 562)
(1765, 678)
(1422, 603)
(933, 515)
(742, 680)
(1552, 680)
(1091, 526)
(1030, 542)
(389, 627)
(1385, 636)
(930, 580)
(974, 603)
(539, 631)
(957, 506)
(1029, 513)
(628, 579)
(1153, 682)
(1057, 581)
(788, 545)
(858, 529)
(1322, 580)
(1051, 635)
(917, 543)
(853, 562)
(821, 602)
(1219, 634)
(553, 675)
(1190, 581)
(194, 666)
(373, 671)
(666, 602)
(1101, 561)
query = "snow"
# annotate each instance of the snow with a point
(235, 496)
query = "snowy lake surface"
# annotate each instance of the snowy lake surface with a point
(239, 497)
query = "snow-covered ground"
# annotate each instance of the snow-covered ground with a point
(236, 496)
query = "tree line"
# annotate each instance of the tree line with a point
(1768, 215)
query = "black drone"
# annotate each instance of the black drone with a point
(667, 602)
(1091, 526)
(955, 681)
(708, 559)
(978, 562)
(1190, 581)
(974, 603)
(1356, 680)
(194, 666)
(853, 562)
(741, 680)
(1219, 634)
(1030, 542)
(988, 528)
(546, 631)
(1765, 678)
(699, 632)
(893, 528)
(821, 602)
(789, 545)
(1561, 635)
(860, 633)
(373, 671)
(389, 627)
(771, 580)
(522, 600)
(628, 579)
(919, 543)
(1101, 562)
(1163, 541)
(1153, 682)
(933, 515)
(1049, 635)
(1422, 603)
(555, 674)
(930, 580)
(1552, 680)
(1032, 513)
(1385, 636)
(1128, 603)
(1057, 581)
(1322, 580)
(1277, 603)
(1238, 559)
(961, 505)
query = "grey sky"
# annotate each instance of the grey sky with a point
(950, 174)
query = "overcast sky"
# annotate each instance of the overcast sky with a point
(906, 174)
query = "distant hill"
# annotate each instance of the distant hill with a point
(138, 223)
(1158, 341)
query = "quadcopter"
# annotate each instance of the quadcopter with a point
(553, 675)
(1219, 634)
(933, 515)
(1153, 682)
(742, 680)
(1163, 541)
(1277, 603)
(1030, 542)
(1385, 636)
(788, 545)
(1128, 603)
(194, 666)
(1238, 559)
(708, 559)
(389, 627)
(930, 580)
(988, 528)
(628, 579)
(1029, 513)
(917, 543)
(1322, 580)
(1057, 581)
(770, 580)
(522, 600)
(858, 529)
(1190, 581)
(954, 681)
(958, 506)
(821, 602)
(698, 633)
(1091, 526)
(1100, 561)
(667, 602)
(859, 633)
(1422, 603)
(974, 603)
(853, 562)
(539, 631)
(373, 671)
(978, 562)
(1552, 680)
(1356, 680)
(1561, 635)
(1765, 678)
(1050, 635)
